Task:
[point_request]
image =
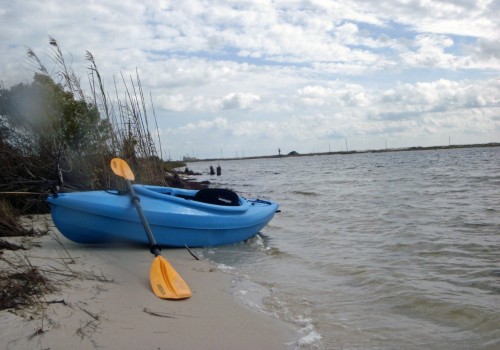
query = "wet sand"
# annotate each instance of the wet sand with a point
(105, 301)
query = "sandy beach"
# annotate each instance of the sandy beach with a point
(104, 301)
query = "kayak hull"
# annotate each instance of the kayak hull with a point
(175, 218)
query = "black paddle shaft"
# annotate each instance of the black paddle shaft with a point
(154, 248)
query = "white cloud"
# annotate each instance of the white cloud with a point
(283, 73)
(239, 100)
(431, 52)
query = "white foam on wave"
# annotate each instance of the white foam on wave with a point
(224, 267)
(256, 242)
(311, 338)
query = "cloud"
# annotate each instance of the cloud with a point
(236, 100)
(259, 74)
(431, 51)
(336, 95)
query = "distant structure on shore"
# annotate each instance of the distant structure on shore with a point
(189, 159)
(296, 154)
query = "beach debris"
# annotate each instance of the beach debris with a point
(89, 327)
(157, 313)
(188, 171)
(24, 285)
(191, 252)
(10, 246)
(11, 224)
(165, 314)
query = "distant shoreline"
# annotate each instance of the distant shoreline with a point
(404, 149)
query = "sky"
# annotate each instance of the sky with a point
(256, 77)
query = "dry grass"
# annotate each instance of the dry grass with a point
(10, 225)
(4, 245)
(23, 285)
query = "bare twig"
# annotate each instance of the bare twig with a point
(190, 252)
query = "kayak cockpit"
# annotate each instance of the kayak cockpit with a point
(213, 198)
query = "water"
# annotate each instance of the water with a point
(395, 250)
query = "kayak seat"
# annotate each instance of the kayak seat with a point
(185, 196)
(218, 196)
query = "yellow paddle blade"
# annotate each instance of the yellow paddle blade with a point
(121, 168)
(166, 282)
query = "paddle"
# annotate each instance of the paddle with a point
(165, 281)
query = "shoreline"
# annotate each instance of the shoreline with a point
(104, 300)
(294, 154)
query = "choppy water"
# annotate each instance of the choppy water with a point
(395, 250)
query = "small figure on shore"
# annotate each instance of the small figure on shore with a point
(212, 171)
(219, 170)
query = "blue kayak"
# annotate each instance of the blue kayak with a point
(177, 217)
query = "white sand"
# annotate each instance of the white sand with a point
(91, 312)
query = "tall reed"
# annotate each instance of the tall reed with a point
(123, 129)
